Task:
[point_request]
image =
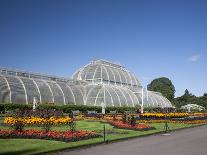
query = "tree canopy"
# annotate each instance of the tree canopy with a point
(164, 86)
(188, 98)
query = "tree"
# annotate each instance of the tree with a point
(187, 93)
(187, 98)
(164, 86)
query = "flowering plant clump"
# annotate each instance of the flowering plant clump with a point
(44, 117)
(51, 135)
(107, 117)
(164, 115)
(37, 120)
(138, 127)
(189, 121)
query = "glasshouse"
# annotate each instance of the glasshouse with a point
(95, 83)
(190, 107)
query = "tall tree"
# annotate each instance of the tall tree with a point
(164, 86)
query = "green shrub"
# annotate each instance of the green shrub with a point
(8, 106)
(66, 108)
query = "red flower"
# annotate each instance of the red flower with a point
(56, 135)
(120, 124)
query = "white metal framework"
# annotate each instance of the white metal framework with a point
(97, 82)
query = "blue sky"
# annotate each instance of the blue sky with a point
(150, 38)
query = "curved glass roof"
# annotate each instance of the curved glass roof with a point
(193, 106)
(15, 89)
(100, 71)
(111, 95)
(100, 81)
(155, 99)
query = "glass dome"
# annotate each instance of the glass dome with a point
(100, 71)
(100, 81)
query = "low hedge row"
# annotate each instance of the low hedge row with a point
(66, 108)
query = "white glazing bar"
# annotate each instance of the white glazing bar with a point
(113, 74)
(80, 91)
(53, 99)
(163, 101)
(79, 72)
(119, 76)
(95, 73)
(137, 99)
(84, 95)
(130, 77)
(97, 96)
(151, 100)
(10, 98)
(129, 96)
(135, 80)
(117, 96)
(167, 102)
(25, 91)
(71, 93)
(124, 96)
(86, 72)
(110, 96)
(154, 97)
(61, 92)
(101, 74)
(91, 89)
(123, 73)
(38, 89)
(151, 103)
(106, 73)
(86, 99)
(104, 94)
(76, 74)
(142, 107)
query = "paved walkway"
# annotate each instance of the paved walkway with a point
(185, 142)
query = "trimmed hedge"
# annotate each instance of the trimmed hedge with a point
(66, 108)
(8, 107)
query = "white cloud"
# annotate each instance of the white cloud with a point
(194, 58)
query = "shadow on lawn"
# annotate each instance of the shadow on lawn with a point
(20, 152)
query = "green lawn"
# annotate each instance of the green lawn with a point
(31, 146)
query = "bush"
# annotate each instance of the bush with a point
(66, 108)
(8, 106)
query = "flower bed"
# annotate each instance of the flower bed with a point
(37, 120)
(164, 115)
(138, 127)
(174, 121)
(65, 136)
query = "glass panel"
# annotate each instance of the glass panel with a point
(4, 91)
(17, 90)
